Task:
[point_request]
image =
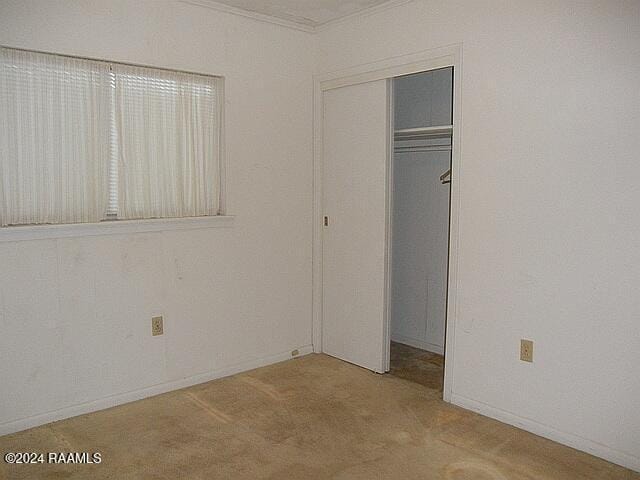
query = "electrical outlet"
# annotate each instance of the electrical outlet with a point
(526, 350)
(156, 326)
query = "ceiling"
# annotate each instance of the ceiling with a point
(307, 13)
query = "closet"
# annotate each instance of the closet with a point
(384, 158)
(423, 120)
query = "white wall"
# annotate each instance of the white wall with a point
(75, 314)
(549, 225)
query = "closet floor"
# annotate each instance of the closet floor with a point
(419, 366)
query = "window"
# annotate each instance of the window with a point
(86, 141)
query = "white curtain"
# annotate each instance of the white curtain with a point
(54, 138)
(167, 128)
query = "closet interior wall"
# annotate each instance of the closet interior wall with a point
(422, 154)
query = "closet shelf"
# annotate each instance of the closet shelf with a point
(418, 149)
(423, 132)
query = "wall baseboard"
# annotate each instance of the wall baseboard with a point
(120, 399)
(415, 343)
(614, 456)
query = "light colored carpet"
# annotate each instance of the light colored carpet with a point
(310, 418)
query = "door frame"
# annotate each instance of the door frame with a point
(448, 56)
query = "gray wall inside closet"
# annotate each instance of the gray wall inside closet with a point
(421, 213)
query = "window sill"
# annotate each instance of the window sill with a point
(116, 227)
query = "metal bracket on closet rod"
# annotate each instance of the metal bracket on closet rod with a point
(443, 177)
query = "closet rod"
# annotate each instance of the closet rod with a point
(423, 132)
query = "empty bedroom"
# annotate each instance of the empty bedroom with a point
(320, 239)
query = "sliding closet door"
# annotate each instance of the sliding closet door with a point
(355, 129)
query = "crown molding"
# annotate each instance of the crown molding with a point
(261, 17)
(361, 14)
(220, 7)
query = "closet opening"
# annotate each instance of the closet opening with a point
(419, 186)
